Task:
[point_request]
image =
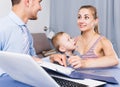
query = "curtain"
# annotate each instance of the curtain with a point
(63, 17)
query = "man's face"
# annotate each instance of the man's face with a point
(34, 8)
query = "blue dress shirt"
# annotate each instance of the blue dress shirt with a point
(11, 37)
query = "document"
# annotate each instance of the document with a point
(80, 73)
(57, 68)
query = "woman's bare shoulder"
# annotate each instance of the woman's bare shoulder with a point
(105, 42)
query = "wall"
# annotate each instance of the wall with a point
(34, 26)
(5, 6)
(43, 18)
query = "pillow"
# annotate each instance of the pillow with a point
(40, 42)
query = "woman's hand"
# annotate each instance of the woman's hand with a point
(75, 61)
(60, 58)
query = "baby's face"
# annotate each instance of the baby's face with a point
(67, 42)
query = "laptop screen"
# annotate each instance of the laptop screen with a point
(23, 68)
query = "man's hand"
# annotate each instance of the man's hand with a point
(60, 58)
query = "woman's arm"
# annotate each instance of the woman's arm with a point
(109, 58)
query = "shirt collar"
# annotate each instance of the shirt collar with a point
(16, 19)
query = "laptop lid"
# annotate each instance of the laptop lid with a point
(23, 68)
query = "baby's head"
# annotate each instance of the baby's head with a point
(63, 42)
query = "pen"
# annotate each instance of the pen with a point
(68, 65)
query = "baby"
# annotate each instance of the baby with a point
(64, 44)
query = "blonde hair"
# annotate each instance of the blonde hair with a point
(55, 40)
(94, 13)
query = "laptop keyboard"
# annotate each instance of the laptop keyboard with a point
(66, 83)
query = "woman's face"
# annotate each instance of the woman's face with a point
(85, 20)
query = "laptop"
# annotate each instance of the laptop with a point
(23, 68)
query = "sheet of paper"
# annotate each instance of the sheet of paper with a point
(55, 67)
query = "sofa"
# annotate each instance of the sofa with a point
(41, 43)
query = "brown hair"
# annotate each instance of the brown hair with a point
(94, 13)
(14, 2)
(55, 40)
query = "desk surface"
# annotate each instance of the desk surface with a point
(115, 72)
(7, 81)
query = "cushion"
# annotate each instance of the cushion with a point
(40, 42)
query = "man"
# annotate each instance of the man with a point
(14, 35)
(12, 32)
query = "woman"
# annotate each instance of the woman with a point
(95, 50)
